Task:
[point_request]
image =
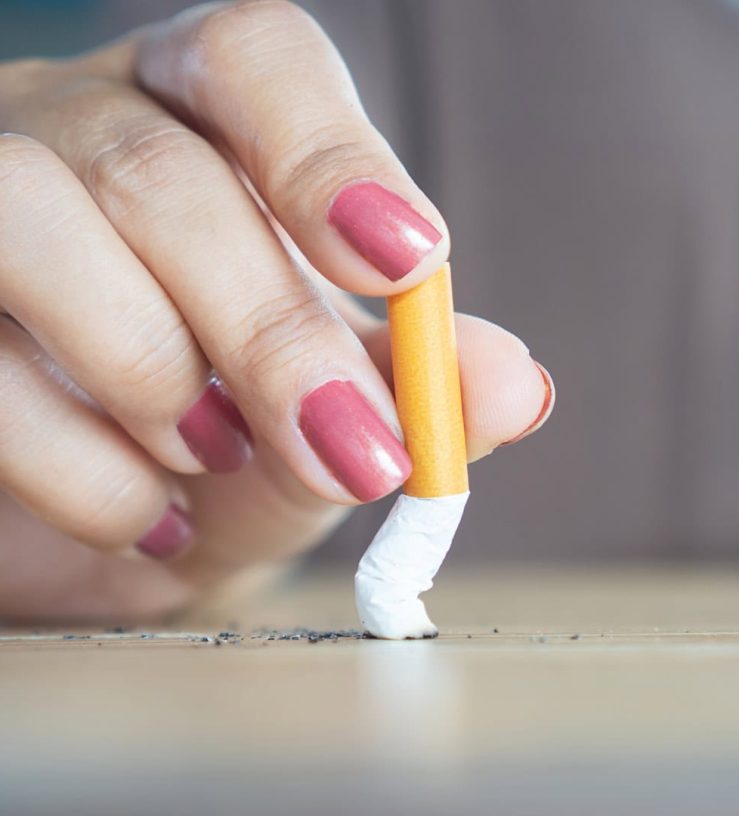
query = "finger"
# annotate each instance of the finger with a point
(66, 462)
(67, 276)
(53, 580)
(506, 395)
(300, 377)
(501, 390)
(267, 82)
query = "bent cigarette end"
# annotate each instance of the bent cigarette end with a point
(402, 561)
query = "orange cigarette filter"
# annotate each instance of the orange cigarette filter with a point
(427, 389)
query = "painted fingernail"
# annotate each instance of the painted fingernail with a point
(170, 537)
(215, 431)
(546, 408)
(349, 437)
(383, 228)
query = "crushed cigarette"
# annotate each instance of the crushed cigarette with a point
(402, 561)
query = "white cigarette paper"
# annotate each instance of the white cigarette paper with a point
(402, 561)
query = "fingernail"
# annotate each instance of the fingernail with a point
(546, 408)
(215, 431)
(383, 228)
(169, 537)
(352, 441)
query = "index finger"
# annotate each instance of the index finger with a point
(267, 81)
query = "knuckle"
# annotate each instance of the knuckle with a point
(141, 158)
(246, 19)
(158, 349)
(260, 32)
(24, 162)
(316, 164)
(39, 192)
(274, 13)
(282, 331)
(214, 31)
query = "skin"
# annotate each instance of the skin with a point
(164, 213)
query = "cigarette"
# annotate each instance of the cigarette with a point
(411, 545)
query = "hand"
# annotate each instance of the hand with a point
(160, 198)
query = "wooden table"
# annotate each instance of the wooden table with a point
(604, 691)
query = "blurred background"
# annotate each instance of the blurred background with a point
(586, 156)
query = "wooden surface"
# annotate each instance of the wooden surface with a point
(602, 692)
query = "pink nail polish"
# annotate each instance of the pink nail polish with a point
(383, 228)
(169, 537)
(354, 443)
(215, 431)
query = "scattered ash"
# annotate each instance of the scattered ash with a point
(235, 638)
(110, 635)
(217, 640)
(228, 637)
(310, 635)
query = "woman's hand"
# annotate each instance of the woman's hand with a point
(157, 198)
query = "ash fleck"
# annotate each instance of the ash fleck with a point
(309, 635)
